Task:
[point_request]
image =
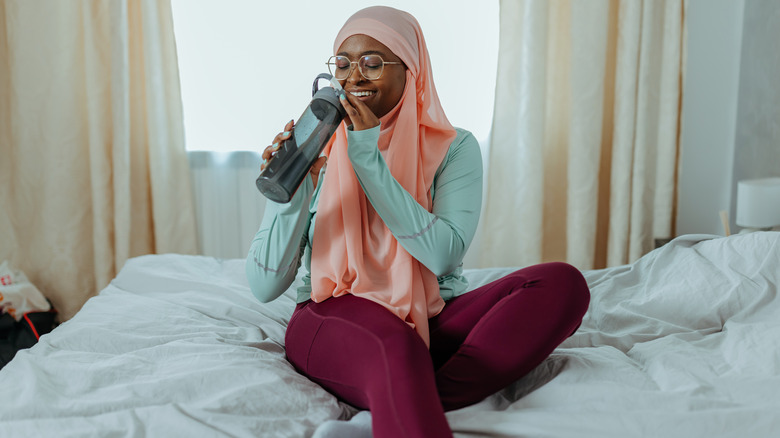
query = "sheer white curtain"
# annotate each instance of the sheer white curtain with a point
(92, 160)
(583, 155)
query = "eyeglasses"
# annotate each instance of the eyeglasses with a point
(370, 66)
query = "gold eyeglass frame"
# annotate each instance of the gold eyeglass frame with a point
(360, 69)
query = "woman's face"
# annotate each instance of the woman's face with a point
(380, 95)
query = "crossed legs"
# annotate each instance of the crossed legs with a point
(481, 342)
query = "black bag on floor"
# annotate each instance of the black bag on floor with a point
(15, 336)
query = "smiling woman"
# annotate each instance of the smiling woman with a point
(242, 79)
(379, 88)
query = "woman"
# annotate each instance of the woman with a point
(382, 320)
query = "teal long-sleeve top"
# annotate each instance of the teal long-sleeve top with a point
(438, 239)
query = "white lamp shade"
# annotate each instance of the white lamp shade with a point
(758, 203)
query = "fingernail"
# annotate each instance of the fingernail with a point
(285, 133)
(343, 96)
(275, 146)
(291, 120)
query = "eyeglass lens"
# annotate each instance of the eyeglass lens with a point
(370, 66)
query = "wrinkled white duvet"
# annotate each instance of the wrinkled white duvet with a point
(684, 342)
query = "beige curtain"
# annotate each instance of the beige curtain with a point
(583, 155)
(92, 160)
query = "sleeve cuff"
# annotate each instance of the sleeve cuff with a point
(366, 135)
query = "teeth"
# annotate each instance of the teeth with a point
(361, 93)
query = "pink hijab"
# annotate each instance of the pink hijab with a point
(354, 251)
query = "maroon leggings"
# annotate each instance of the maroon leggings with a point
(481, 342)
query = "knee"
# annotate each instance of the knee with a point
(562, 282)
(572, 285)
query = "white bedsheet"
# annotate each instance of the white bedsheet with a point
(683, 343)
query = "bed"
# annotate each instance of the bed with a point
(685, 342)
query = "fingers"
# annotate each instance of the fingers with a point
(344, 98)
(280, 137)
(270, 151)
(358, 112)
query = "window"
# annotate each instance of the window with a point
(247, 66)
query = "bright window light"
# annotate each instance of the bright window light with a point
(247, 66)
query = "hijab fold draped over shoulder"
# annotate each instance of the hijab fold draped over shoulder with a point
(353, 251)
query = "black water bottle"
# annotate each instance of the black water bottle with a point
(289, 166)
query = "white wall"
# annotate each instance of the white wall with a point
(757, 141)
(252, 71)
(731, 107)
(709, 113)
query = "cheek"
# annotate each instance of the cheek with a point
(401, 81)
(392, 91)
(399, 85)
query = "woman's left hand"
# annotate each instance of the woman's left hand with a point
(360, 116)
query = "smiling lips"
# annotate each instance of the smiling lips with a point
(362, 93)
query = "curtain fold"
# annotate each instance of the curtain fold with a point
(584, 143)
(94, 168)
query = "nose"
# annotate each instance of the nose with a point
(355, 76)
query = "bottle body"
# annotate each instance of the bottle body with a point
(296, 155)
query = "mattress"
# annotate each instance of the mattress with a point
(685, 342)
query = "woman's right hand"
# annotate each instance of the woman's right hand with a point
(270, 151)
